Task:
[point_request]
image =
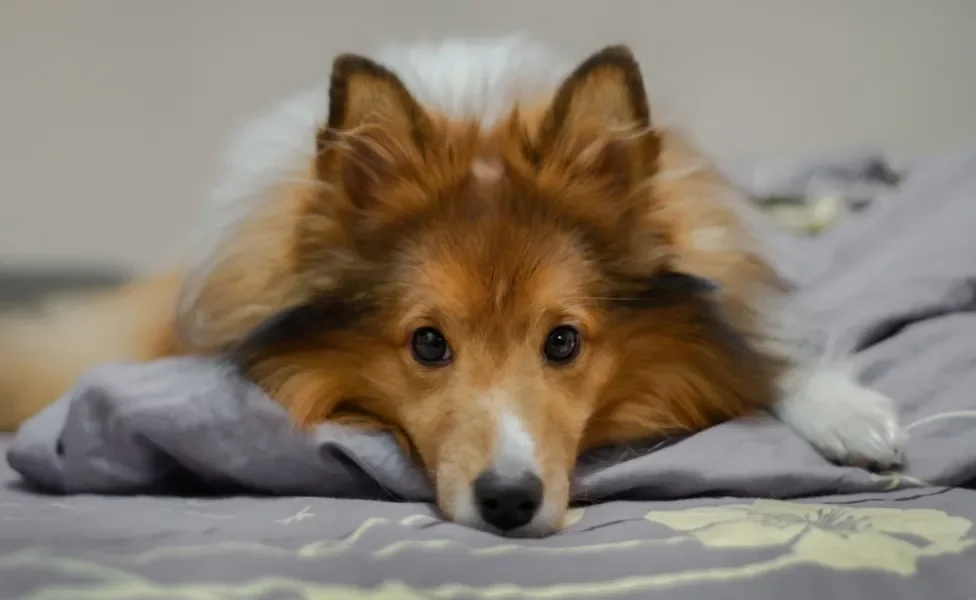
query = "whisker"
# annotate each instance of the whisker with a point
(303, 181)
(611, 298)
(683, 173)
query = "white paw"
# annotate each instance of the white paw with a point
(846, 422)
(860, 429)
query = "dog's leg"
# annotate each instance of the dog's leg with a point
(844, 420)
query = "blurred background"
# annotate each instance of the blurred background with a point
(115, 113)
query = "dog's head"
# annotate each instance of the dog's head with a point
(500, 298)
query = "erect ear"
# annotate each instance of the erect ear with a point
(603, 95)
(373, 121)
(607, 88)
(364, 92)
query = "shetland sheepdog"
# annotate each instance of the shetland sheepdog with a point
(498, 256)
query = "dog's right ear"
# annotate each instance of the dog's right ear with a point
(363, 91)
(374, 123)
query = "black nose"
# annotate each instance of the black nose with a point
(507, 502)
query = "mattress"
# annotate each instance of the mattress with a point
(915, 542)
(742, 511)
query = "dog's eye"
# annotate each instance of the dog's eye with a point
(430, 347)
(562, 345)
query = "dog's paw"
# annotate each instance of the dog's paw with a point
(845, 421)
(860, 429)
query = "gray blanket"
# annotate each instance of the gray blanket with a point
(895, 284)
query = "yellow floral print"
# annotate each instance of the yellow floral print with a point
(790, 534)
(838, 537)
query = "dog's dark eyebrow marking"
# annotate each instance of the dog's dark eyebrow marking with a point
(668, 288)
(665, 289)
(298, 324)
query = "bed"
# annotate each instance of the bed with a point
(195, 501)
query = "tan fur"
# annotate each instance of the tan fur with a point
(42, 352)
(250, 277)
(565, 213)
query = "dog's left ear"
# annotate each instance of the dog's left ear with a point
(605, 91)
(597, 129)
(607, 87)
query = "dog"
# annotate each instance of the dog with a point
(497, 256)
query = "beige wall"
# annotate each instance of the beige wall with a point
(113, 112)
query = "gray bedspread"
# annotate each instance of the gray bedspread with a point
(743, 510)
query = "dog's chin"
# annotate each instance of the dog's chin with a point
(537, 528)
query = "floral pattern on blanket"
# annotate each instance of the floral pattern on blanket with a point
(884, 539)
(890, 541)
